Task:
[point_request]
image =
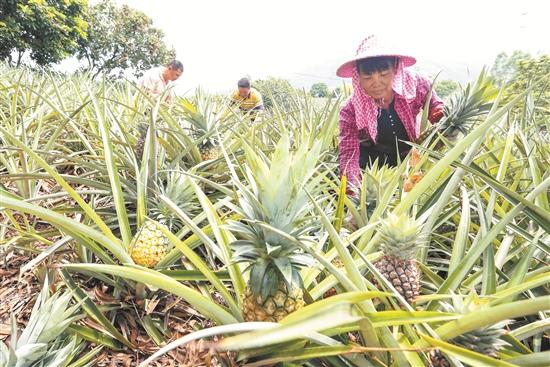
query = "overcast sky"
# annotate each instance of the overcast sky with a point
(220, 41)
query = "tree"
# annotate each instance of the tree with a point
(446, 87)
(122, 38)
(505, 67)
(319, 90)
(275, 91)
(49, 30)
(528, 71)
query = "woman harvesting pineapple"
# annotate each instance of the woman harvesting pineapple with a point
(382, 111)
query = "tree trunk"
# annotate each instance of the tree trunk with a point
(19, 57)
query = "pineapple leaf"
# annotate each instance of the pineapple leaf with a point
(257, 274)
(284, 266)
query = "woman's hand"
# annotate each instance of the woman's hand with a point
(436, 114)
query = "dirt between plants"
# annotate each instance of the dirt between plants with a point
(18, 295)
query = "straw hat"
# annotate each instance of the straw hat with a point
(372, 46)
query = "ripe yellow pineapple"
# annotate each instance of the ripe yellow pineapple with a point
(400, 240)
(149, 245)
(274, 194)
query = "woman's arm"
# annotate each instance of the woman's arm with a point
(435, 113)
(349, 145)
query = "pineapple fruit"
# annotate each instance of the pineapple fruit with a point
(273, 307)
(412, 179)
(149, 245)
(400, 240)
(140, 143)
(209, 151)
(275, 195)
(486, 341)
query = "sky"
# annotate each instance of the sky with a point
(304, 40)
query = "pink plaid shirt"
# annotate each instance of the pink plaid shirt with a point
(407, 108)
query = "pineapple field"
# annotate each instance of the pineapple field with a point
(137, 233)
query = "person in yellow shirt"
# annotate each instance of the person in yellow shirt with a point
(248, 99)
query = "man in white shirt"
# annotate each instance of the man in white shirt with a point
(158, 80)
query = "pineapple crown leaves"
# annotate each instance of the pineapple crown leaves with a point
(466, 106)
(279, 183)
(266, 275)
(49, 318)
(274, 193)
(204, 112)
(375, 179)
(401, 236)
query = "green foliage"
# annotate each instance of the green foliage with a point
(446, 87)
(505, 67)
(319, 90)
(45, 337)
(531, 70)
(484, 198)
(50, 30)
(275, 91)
(121, 38)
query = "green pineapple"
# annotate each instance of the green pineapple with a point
(274, 195)
(487, 341)
(400, 237)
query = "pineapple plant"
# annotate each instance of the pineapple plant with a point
(375, 181)
(400, 236)
(463, 110)
(44, 341)
(275, 195)
(205, 122)
(150, 245)
(487, 340)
